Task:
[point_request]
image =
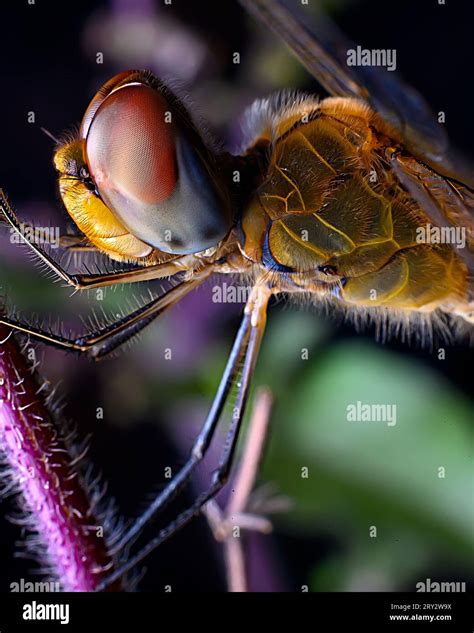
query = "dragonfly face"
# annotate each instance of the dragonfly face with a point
(139, 178)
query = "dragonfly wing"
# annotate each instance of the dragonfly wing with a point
(323, 49)
(445, 202)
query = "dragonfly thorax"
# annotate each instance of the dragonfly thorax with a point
(329, 209)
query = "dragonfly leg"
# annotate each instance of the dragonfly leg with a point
(85, 281)
(246, 347)
(105, 340)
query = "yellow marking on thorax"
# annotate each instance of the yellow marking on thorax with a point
(315, 152)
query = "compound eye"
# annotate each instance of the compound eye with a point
(130, 149)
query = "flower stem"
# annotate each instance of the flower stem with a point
(43, 467)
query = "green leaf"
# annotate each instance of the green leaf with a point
(363, 474)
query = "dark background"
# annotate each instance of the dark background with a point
(47, 54)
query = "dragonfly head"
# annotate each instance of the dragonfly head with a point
(143, 166)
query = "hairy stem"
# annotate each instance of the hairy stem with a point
(41, 466)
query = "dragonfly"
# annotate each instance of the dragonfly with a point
(326, 202)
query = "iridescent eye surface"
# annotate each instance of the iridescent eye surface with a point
(149, 175)
(131, 150)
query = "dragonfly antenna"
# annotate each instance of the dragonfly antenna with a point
(48, 133)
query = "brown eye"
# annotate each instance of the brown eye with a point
(130, 150)
(150, 167)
